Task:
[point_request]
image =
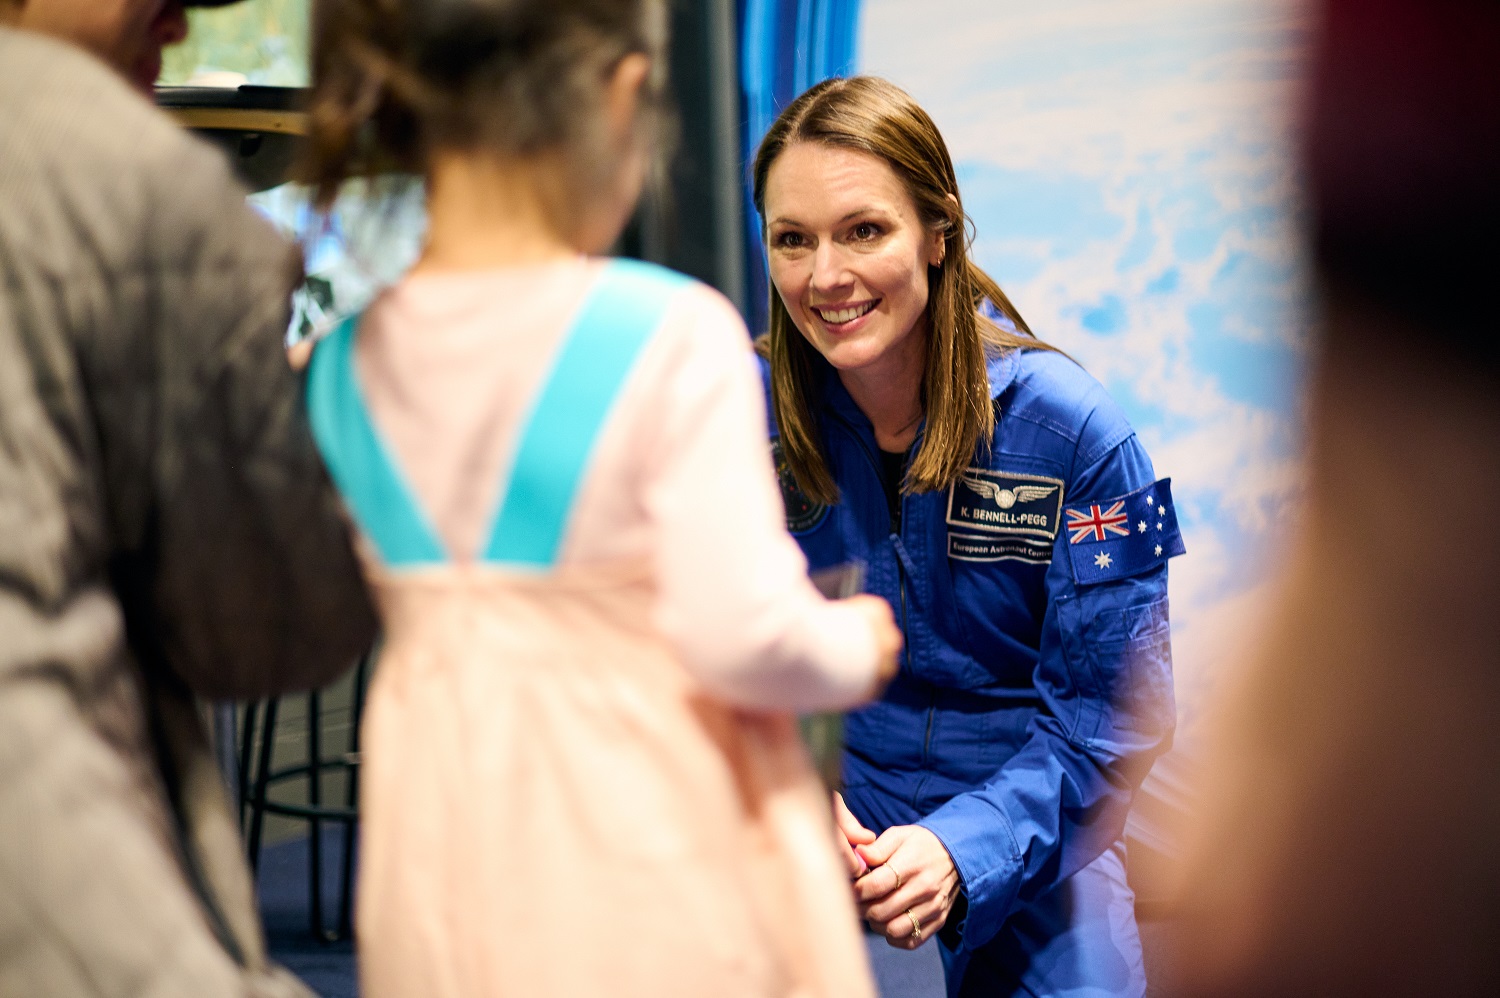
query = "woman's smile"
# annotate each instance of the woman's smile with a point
(844, 318)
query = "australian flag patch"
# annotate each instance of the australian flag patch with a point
(1118, 538)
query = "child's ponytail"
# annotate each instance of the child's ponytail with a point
(394, 80)
(363, 116)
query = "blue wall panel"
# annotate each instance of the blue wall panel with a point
(787, 46)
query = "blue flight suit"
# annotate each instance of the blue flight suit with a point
(1036, 687)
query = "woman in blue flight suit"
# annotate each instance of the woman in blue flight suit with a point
(1004, 506)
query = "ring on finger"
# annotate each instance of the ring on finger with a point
(916, 924)
(898, 877)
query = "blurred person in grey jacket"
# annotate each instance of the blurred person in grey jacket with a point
(167, 532)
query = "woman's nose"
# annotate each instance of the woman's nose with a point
(829, 269)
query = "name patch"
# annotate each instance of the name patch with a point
(962, 548)
(999, 502)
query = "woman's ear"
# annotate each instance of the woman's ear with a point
(623, 92)
(939, 249)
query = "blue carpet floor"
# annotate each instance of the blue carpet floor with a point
(906, 973)
(285, 904)
(328, 968)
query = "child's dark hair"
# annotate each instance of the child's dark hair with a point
(396, 80)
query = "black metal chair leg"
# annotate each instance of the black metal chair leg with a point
(351, 798)
(247, 743)
(262, 783)
(315, 800)
(257, 775)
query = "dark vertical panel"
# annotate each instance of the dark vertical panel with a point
(696, 225)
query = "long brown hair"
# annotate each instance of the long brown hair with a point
(395, 80)
(875, 116)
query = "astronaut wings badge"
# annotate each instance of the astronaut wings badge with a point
(1006, 498)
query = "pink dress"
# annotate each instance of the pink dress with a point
(581, 772)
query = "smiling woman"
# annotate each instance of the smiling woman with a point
(941, 444)
(884, 193)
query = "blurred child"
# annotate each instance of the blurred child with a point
(581, 772)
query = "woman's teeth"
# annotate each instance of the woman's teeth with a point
(837, 317)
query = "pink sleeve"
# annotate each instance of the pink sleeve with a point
(734, 596)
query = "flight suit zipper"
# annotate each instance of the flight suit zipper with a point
(897, 521)
(894, 523)
(897, 528)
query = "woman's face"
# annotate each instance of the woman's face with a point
(849, 256)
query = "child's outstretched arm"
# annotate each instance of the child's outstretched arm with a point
(734, 595)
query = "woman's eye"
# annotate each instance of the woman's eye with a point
(865, 231)
(789, 240)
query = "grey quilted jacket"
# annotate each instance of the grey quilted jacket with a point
(167, 534)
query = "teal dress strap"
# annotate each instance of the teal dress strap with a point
(621, 312)
(383, 504)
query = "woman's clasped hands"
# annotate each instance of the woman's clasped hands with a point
(905, 882)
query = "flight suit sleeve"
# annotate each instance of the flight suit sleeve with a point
(1104, 676)
(734, 598)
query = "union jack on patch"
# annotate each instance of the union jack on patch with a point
(1096, 525)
